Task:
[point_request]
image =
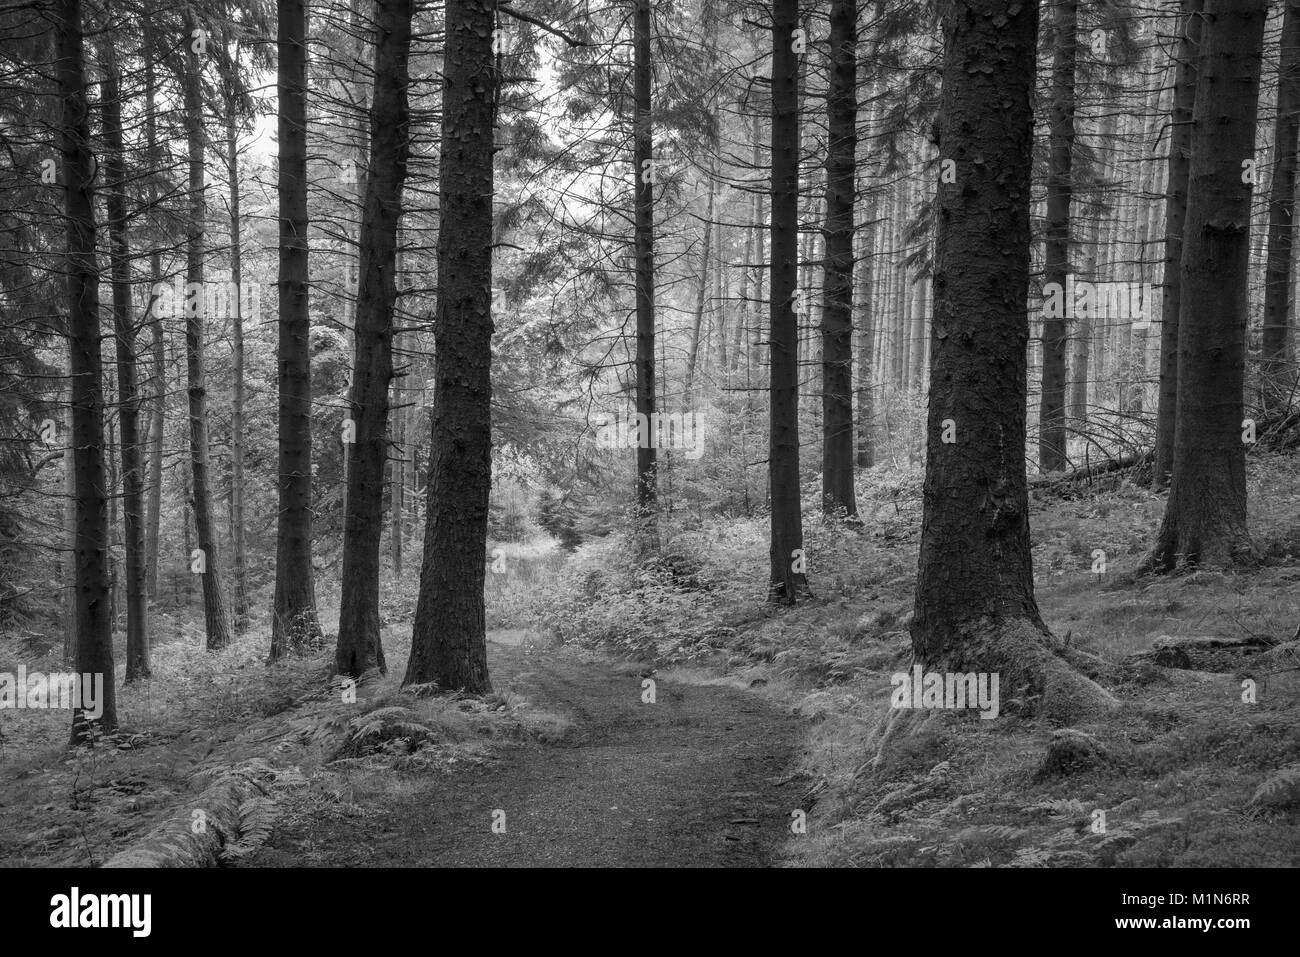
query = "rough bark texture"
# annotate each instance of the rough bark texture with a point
(1180, 147)
(448, 641)
(644, 224)
(94, 634)
(158, 403)
(128, 413)
(1278, 382)
(1056, 261)
(215, 616)
(786, 542)
(837, 283)
(293, 619)
(975, 560)
(1205, 517)
(237, 438)
(359, 647)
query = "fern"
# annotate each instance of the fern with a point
(1278, 793)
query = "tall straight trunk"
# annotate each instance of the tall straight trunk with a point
(238, 536)
(158, 404)
(643, 156)
(866, 414)
(397, 478)
(68, 565)
(701, 297)
(722, 296)
(94, 630)
(786, 554)
(359, 647)
(1180, 146)
(448, 640)
(975, 564)
(1205, 517)
(1277, 353)
(1056, 259)
(837, 283)
(215, 616)
(294, 621)
(137, 624)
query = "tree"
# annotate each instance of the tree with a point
(975, 564)
(1205, 517)
(1056, 261)
(837, 285)
(448, 640)
(234, 93)
(293, 620)
(128, 413)
(788, 579)
(94, 633)
(644, 224)
(359, 647)
(1179, 163)
(1276, 352)
(216, 618)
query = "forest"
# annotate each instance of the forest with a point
(694, 433)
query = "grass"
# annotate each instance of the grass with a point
(1184, 753)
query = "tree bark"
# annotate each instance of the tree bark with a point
(1205, 517)
(359, 648)
(238, 535)
(1276, 354)
(1056, 261)
(1180, 146)
(788, 579)
(837, 284)
(294, 620)
(642, 156)
(448, 641)
(216, 618)
(137, 624)
(157, 418)
(975, 562)
(93, 629)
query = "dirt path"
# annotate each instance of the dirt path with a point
(697, 779)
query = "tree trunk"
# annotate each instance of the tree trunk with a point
(215, 615)
(359, 648)
(788, 563)
(94, 630)
(1205, 517)
(1052, 455)
(701, 298)
(866, 451)
(1180, 146)
(1276, 354)
(643, 157)
(137, 624)
(237, 519)
(448, 641)
(837, 285)
(294, 620)
(157, 418)
(975, 564)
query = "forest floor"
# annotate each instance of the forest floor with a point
(700, 777)
(760, 712)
